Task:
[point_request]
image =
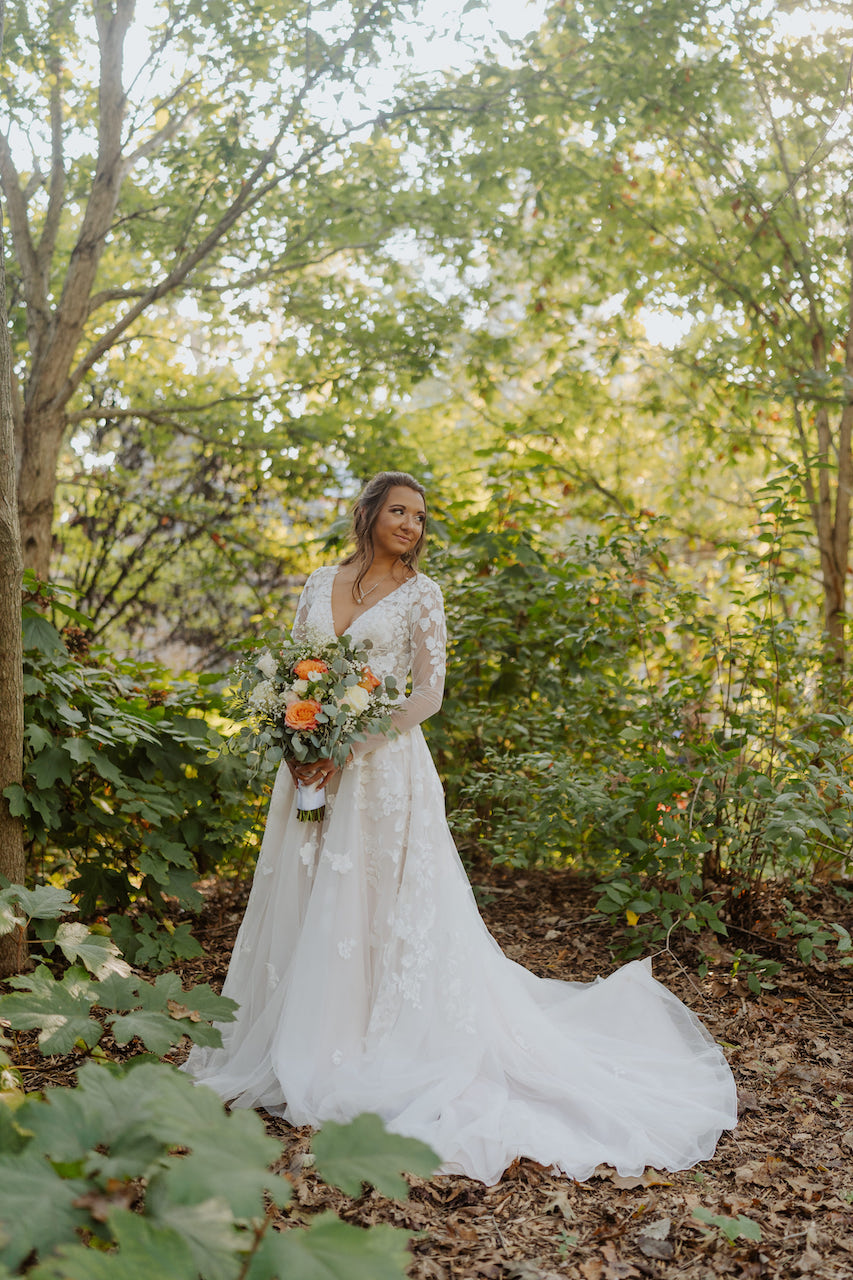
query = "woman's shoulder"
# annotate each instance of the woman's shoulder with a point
(426, 589)
(321, 575)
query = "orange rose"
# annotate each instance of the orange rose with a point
(302, 715)
(305, 669)
(368, 680)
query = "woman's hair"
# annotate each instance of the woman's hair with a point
(368, 504)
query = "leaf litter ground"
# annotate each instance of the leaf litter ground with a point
(786, 1171)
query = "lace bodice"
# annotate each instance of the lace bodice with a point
(408, 634)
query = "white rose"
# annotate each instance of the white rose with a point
(356, 699)
(266, 664)
(300, 688)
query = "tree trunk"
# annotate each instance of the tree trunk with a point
(12, 945)
(42, 443)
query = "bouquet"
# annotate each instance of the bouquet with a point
(312, 701)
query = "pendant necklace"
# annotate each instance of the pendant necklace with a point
(362, 595)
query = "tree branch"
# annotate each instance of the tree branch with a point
(47, 242)
(19, 226)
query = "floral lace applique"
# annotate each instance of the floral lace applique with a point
(345, 948)
(308, 853)
(339, 861)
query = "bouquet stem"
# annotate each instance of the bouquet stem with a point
(310, 803)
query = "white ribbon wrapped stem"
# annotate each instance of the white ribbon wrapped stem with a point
(310, 802)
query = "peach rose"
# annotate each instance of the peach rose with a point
(302, 715)
(368, 680)
(308, 666)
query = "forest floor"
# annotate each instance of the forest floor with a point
(787, 1168)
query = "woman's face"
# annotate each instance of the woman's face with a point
(400, 523)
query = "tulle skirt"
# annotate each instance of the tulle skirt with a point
(367, 981)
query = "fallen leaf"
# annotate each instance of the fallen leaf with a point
(650, 1178)
(559, 1202)
(592, 1269)
(528, 1271)
(616, 1268)
(653, 1242)
(657, 1230)
(809, 1261)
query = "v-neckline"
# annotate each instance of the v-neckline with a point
(354, 620)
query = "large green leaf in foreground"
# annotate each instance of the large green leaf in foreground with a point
(363, 1151)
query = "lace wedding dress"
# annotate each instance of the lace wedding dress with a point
(367, 980)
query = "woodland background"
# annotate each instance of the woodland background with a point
(593, 286)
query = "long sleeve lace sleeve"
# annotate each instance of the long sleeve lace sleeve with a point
(428, 636)
(429, 654)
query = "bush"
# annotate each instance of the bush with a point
(126, 792)
(603, 716)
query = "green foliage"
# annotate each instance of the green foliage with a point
(138, 1171)
(156, 1013)
(542, 638)
(150, 943)
(602, 715)
(333, 1249)
(40, 909)
(126, 792)
(812, 937)
(102, 1161)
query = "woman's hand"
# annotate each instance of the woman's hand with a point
(314, 773)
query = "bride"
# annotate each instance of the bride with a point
(366, 978)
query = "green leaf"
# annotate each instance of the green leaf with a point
(38, 737)
(230, 1160)
(120, 1125)
(12, 1140)
(41, 636)
(50, 765)
(731, 1228)
(10, 917)
(208, 1003)
(105, 768)
(60, 1010)
(333, 1250)
(349, 1155)
(44, 901)
(157, 1031)
(19, 804)
(145, 1251)
(207, 1228)
(100, 955)
(35, 1206)
(117, 991)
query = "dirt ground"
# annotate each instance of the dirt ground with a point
(787, 1169)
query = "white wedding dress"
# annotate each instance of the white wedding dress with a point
(367, 980)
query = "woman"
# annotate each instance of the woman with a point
(368, 982)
